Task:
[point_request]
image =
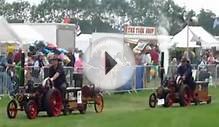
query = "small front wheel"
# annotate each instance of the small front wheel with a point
(98, 103)
(153, 100)
(12, 109)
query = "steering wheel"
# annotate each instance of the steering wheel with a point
(47, 83)
(179, 80)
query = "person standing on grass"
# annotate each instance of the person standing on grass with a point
(146, 61)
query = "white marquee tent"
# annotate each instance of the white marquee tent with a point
(6, 33)
(26, 33)
(21, 34)
(196, 34)
(83, 41)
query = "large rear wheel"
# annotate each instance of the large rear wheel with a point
(53, 102)
(185, 96)
(12, 109)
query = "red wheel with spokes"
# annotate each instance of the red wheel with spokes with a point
(185, 96)
(98, 103)
(53, 102)
(12, 109)
(169, 100)
(31, 109)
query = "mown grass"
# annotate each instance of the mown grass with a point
(125, 110)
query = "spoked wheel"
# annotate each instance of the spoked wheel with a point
(31, 109)
(185, 96)
(98, 103)
(169, 100)
(53, 102)
(12, 109)
(153, 100)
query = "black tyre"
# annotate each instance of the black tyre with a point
(31, 109)
(153, 100)
(185, 98)
(53, 102)
(98, 103)
(12, 109)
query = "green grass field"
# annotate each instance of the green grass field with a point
(126, 110)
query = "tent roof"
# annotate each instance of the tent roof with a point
(6, 33)
(26, 33)
(14, 33)
(83, 41)
(196, 33)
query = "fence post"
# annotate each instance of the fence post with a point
(162, 71)
(1, 81)
(22, 69)
(216, 75)
(134, 84)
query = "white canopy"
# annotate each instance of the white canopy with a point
(6, 33)
(26, 33)
(83, 41)
(196, 34)
(17, 33)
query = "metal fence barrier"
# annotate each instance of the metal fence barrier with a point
(39, 74)
(4, 81)
(144, 77)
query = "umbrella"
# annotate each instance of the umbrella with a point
(62, 50)
(51, 45)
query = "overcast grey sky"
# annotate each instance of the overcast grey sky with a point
(189, 4)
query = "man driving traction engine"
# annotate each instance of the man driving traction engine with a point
(57, 75)
(185, 71)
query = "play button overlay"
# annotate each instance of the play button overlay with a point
(109, 63)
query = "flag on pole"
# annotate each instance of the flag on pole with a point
(216, 22)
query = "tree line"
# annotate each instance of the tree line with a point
(108, 15)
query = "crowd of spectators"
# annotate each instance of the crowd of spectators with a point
(34, 62)
(149, 57)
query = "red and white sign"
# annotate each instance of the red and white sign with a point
(67, 20)
(139, 30)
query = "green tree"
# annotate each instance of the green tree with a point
(108, 15)
(206, 20)
(17, 12)
(2, 3)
